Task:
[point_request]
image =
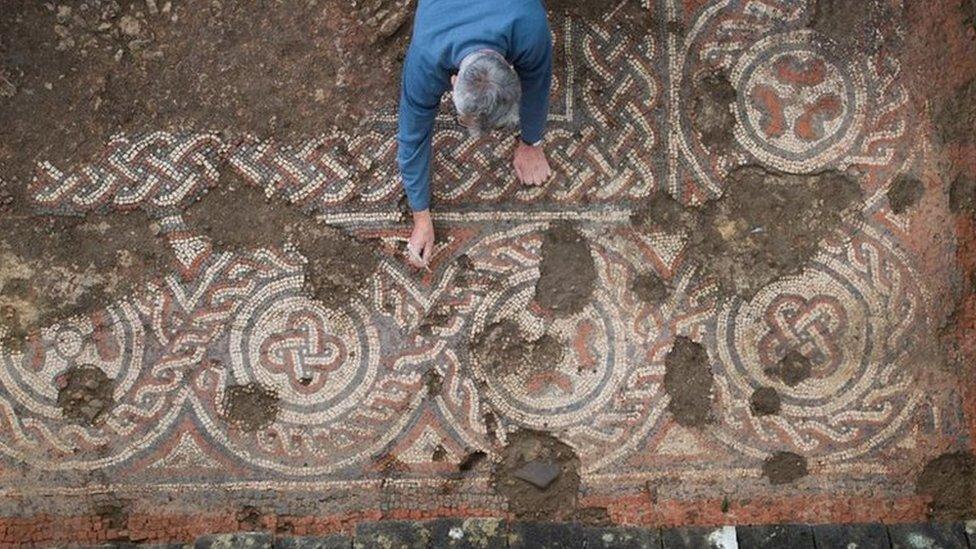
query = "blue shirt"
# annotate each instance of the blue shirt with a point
(444, 32)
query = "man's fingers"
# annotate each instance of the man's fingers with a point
(428, 251)
(518, 172)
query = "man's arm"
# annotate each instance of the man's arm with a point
(420, 94)
(534, 66)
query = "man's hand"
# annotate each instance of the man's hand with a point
(531, 165)
(421, 243)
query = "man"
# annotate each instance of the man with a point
(500, 55)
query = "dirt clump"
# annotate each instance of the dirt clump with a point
(955, 118)
(905, 193)
(712, 115)
(85, 395)
(250, 407)
(547, 489)
(847, 23)
(765, 401)
(688, 382)
(53, 268)
(239, 216)
(661, 214)
(649, 288)
(962, 195)
(567, 272)
(950, 480)
(768, 225)
(502, 350)
(794, 368)
(434, 382)
(784, 467)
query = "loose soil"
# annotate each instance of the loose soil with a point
(792, 369)
(956, 116)
(85, 395)
(89, 69)
(712, 115)
(688, 382)
(502, 350)
(905, 193)
(250, 407)
(849, 24)
(558, 501)
(55, 268)
(784, 467)
(962, 195)
(765, 401)
(239, 216)
(566, 273)
(766, 226)
(950, 480)
(649, 288)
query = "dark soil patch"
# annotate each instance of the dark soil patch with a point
(768, 225)
(438, 317)
(765, 401)
(113, 514)
(649, 288)
(472, 461)
(793, 369)
(54, 268)
(250, 407)
(566, 273)
(904, 193)
(956, 116)
(434, 382)
(688, 382)
(502, 350)
(962, 195)
(85, 394)
(594, 516)
(75, 73)
(240, 216)
(661, 214)
(950, 480)
(558, 500)
(784, 467)
(847, 23)
(712, 115)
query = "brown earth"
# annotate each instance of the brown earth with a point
(956, 116)
(55, 268)
(649, 288)
(792, 369)
(250, 407)
(239, 216)
(765, 401)
(85, 394)
(767, 225)
(905, 192)
(503, 350)
(962, 195)
(688, 383)
(784, 467)
(556, 502)
(566, 273)
(712, 115)
(950, 480)
(89, 69)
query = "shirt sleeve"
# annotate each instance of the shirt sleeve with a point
(534, 67)
(420, 93)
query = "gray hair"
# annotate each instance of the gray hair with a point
(487, 92)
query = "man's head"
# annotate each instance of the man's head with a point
(486, 92)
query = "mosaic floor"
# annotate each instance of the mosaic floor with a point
(352, 381)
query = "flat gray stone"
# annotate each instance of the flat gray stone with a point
(545, 535)
(928, 536)
(621, 538)
(775, 536)
(472, 533)
(538, 473)
(392, 534)
(239, 540)
(335, 541)
(721, 537)
(857, 536)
